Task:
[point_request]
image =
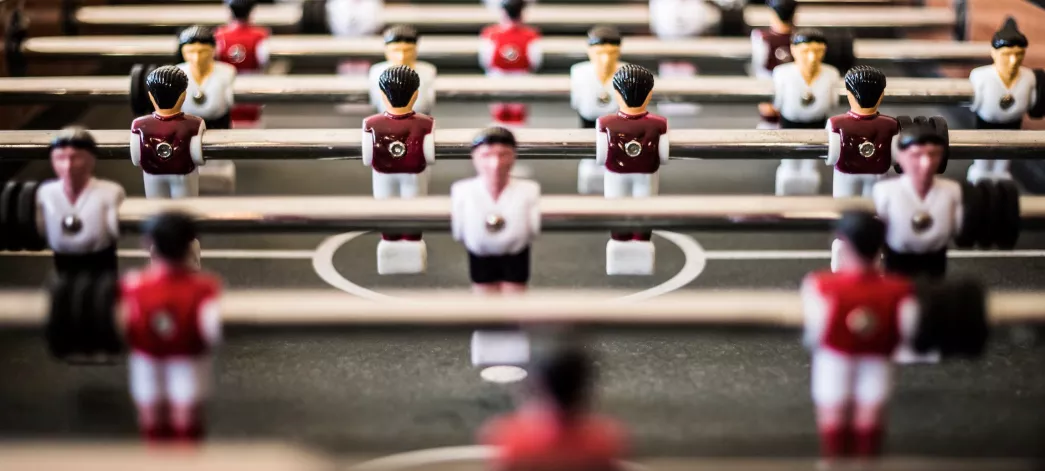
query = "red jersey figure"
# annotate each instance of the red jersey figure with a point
(555, 430)
(632, 144)
(398, 145)
(167, 144)
(172, 323)
(856, 319)
(245, 47)
(510, 48)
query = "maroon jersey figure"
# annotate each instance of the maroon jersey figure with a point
(398, 145)
(510, 48)
(856, 319)
(167, 144)
(861, 142)
(245, 47)
(172, 323)
(771, 46)
(632, 144)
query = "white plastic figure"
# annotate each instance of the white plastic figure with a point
(805, 91)
(1003, 92)
(398, 145)
(592, 95)
(401, 49)
(677, 19)
(632, 144)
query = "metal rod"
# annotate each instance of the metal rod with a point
(465, 48)
(308, 144)
(327, 88)
(548, 17)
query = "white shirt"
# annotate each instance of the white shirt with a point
(97, 208)
(897, 203)
(989, 90)
(673, 19)
(518, 206)
(425, 93)
(217, 91)
(585, 90)
(789, 87)
(354, 18)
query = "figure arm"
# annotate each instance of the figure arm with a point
(230, 95)
(881, 201)
(261, 53)
(894, 147)
(664, 148)
(814, 311)
(909, 317)
(366, 147)
(428, 146)
(977, 90)
(486, 48)
(136, 148)
(457, 209)
(959, 211)
(575, 88)
(196, 145)
(778, 89)
(535, 54)
(375, 90)
(112, 216)
(535, 211)
(210, 319)
(759, 51)
(602, 144)
(834, 145)
(1033, 91)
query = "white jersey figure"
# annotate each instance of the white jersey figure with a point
(77, 213)
(631, 144)
(209, 96)
(398, 145)
(1002, 94)
(856, 320)
(804, 93)
(592, 95)
(401, 49)
(354, 19)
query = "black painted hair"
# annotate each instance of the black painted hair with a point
(808, 35)
(565, 376)
(864, 232)
(513, 8)
(866, 83)
(171, 234)
(196, 35)
(634, 83)
(166, 84)
(401, 34)
(77, 137)
(241, 9)
(919, 134)
(1009, 36)
(607, 35)
(784, 9)
(399, 83)
(494, 135)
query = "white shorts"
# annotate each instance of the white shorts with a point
(863, 380)
(183, 381)
(172, 186)
(635, 185)
(400, 185)
(853, 184)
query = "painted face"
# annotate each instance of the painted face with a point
(920, 161)
(604, 56)
(199, 56)
(72, 165)
(808, 55)
(401, 53)
(1007, 60)
(493, 162)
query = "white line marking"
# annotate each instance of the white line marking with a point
(433, 456)
(323, 264)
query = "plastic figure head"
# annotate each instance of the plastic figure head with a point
(1009, 46)
(921, 150)
(807, 48)
(171, 234)
(865, 87)
(399, 85)
(564, 380)
(241, 9)
(73, 151)
(634, 86)
(604, 49)
(196, 46)
(167, 87)
(493, 155)
(401, 45)
(783, 15)
(513, 10)
(862, 235)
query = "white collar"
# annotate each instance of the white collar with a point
(908, 183)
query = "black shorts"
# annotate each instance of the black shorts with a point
(223, 122)
(514, 268)
(931, 265)
(786, 124)
(587, 124)
(1015, 125)
(103, 261)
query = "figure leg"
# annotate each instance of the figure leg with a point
(1000, 170)
(186, 186)
(644, 186)
(797, 177)
(979, 170)
(831, 388)
(147, 391)
(413, 185)
(867, 184)
(845, 185)
(616, 185)
(590, 177)
(836, 254)
(385, 186)
(156, 186)
(874, 385)
(188, 384)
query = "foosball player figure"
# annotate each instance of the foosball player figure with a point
(245, 46)
(398, 145)
(856, 319)
(209, 96)
(555, 428)
(1002, 94)
(804, 92)
(401, 49)
(510, 48)
(78, 213)
(592, 95)
(354, 19)
(171, 319)
(771, 46)
(673, 20)
(632, 144)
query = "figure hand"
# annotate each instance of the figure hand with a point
(766, 110)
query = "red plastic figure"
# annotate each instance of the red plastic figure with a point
(510, 48)
(245, 47)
